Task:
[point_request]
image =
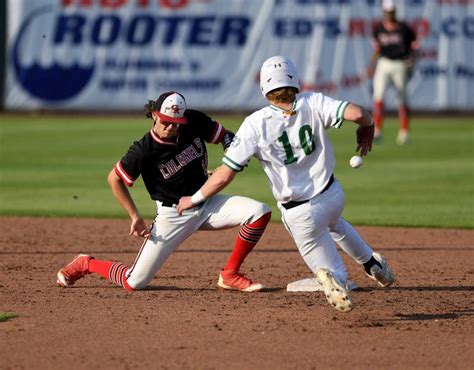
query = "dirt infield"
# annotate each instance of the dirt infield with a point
(425, 321)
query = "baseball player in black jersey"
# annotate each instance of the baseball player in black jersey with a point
(172, 160)
(394, 43)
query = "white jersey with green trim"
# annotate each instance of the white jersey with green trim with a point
(293, 146)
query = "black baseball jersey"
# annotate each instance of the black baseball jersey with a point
(172, 170)
(394, 44)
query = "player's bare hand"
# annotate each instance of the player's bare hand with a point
(184, 204)
(365, 136)
(138, 228)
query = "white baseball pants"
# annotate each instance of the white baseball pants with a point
(395, 71)
(316, 224)
(169, 230)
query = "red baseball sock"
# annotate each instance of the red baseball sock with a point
(404, 117)
(378, 114)
(116, 272)
(248, 236)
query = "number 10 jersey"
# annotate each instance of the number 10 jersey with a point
(292, 146)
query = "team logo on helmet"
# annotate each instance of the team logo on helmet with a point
(175, 109)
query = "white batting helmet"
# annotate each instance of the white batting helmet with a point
(277, 72)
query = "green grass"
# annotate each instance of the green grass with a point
(5, 316)
(58, 165)
(426, 183)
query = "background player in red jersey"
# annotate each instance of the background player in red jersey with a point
(172, 160)
(392, 61)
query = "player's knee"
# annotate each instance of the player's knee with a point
(133, 287)
(251, 210)
(136, 283)
(262, 211)
(266, 209)
(128, 287)
(338, 231)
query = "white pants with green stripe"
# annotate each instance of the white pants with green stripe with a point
(317, 224)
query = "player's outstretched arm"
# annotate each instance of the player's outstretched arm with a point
(121, 193)
(222, 177)
(365, 132)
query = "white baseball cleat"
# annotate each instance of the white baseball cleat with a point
(335, 292)
(383, 276)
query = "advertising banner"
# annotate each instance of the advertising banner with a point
(116, 54)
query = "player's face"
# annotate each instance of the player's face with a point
(166, 130)
(390, 16)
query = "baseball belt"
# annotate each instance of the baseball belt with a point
(295, 203)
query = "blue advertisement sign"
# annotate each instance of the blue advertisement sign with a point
(116, 54)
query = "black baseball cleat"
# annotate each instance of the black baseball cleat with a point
(380, 271)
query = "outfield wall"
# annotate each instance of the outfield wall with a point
(116, 54)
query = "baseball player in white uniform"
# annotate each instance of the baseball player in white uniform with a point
(289, 139)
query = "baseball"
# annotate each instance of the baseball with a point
(356, 161)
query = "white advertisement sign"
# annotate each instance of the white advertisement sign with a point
(117, 54)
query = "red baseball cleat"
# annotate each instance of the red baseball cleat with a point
(75, 270)
(233, 280)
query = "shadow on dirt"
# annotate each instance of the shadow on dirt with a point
(468, 288)
(433, 316)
